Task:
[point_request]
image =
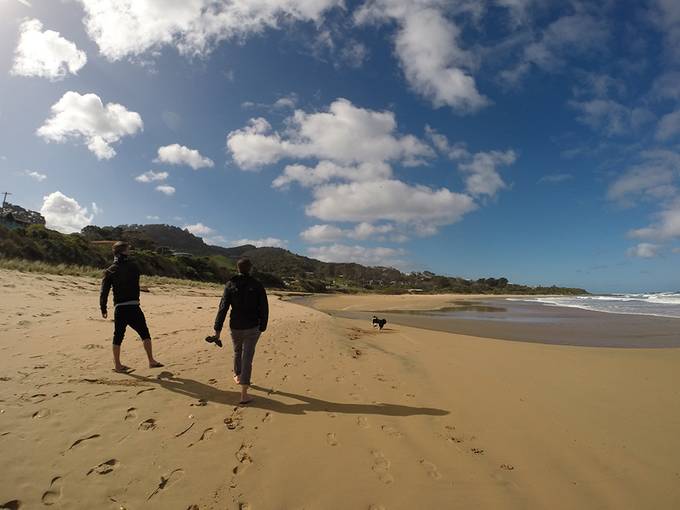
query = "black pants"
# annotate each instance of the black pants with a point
(129, 315)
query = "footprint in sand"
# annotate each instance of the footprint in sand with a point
(267, 417)
(362, 421)
(104, 468)
(15, 504)
(207, 433)
(381, 467)
(243, 457)
(53, 494)
(376, 507)
(212, 381)
(507, 467)
(477, 451)
(38, 397)
(145, 390)
(131, 413)
(149, 424)
(167, 481)
(431, 469)
(233, 422)
(391, 431)
(331, 439)
(82, 440)
(42, 413)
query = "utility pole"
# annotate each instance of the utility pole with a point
(4, 198)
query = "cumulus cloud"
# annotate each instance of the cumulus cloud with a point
(151, 176)
(456, 151)
(64, 214)
(345, 134)
(166, 190)
(326, 171)
(199, 229)
(37, 176)
(177, 154)
(86, 118)
(361, 231)
(45, 54)
(428, 48)
(128, 28)
(270, 242)
(389, 200)
(482, 178)
(666, 227)
(380, 256)
(643, 250)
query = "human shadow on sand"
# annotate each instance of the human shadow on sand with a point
(198, 390)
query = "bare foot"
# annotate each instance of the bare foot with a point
(237, 379)
(245, 401)
(155, 364)
(122, 369)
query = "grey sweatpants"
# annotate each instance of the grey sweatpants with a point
(244, 341)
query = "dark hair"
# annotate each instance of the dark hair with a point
(119, 247)
(244, 265)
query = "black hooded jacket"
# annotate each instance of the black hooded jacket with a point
(248, 301)
(123, 276)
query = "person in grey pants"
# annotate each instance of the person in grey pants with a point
(248, 320)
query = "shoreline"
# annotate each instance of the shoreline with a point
(519, 321)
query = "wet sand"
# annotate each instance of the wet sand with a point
(496, 317)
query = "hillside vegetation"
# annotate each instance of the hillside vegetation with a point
(163, 250)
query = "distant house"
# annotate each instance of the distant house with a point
(13, 217)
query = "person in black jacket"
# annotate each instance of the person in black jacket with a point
(123, 276)
(248, 320)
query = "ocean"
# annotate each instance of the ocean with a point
(659, 304)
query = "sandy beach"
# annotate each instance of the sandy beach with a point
(345, 416)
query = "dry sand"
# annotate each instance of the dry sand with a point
(345, 417)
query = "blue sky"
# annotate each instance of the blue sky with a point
(532, 139)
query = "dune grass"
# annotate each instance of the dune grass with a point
(34, 266)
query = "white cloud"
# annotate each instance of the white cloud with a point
(85, 117)
(354, 54)
(177, 154)
(151, 176)
(166, 190)
(45, 54)
(456, 151)
(64, 213)
(380, 256)
(428, 48)
(96, 209)
(153, 217)
(669, 126)
(344, 134)
(35, 175)
(389, 200)
(482, 178)
(666, 86)
(667, 227)
(199, 229)
(643, 250)
(666, 15)
(652, 178)
(128, 28)
(326, 171)
(270, 242)
(361, 231)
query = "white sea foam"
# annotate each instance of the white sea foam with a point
(660, 304)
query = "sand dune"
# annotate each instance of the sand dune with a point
(345, 417)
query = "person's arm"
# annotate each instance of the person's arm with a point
(225, 302)
(263, 308)
(104, 293)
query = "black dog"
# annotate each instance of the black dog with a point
(378, 322)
